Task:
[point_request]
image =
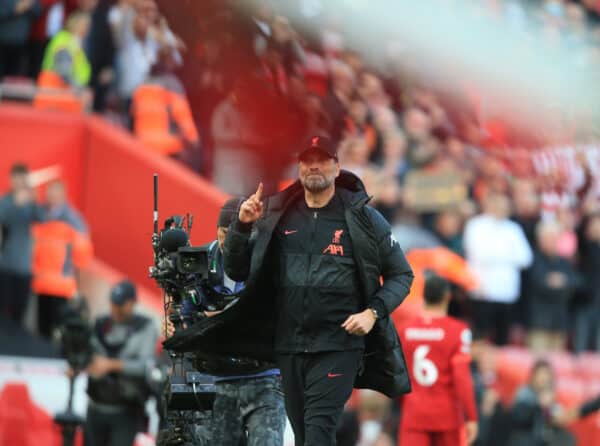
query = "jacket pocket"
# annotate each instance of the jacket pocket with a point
(333, 272)
(295, 271)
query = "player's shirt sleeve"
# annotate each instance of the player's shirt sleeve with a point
(461, 374)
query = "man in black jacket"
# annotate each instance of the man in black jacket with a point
(321, 251)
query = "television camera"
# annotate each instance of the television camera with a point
(181, 271)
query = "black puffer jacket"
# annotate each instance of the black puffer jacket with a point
(249, 326)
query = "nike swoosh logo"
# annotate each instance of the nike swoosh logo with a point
(287, 232)
(333, 375)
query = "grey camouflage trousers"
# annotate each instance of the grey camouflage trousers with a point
(246, 412)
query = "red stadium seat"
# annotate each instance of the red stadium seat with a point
(22, 422)
(588, 365)
(563, 363)
(570, 391)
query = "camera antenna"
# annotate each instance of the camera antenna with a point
(155, 203)
(155, 236)
(190, 221)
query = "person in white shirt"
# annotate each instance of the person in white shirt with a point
(137, 50)
(139, 34)
(497, 250)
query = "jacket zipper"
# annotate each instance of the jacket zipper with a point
(313, 226)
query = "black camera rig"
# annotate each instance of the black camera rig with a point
(182, 272)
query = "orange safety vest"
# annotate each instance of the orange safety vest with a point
(443, 262)
(58, 249)
(54, 94)
(155, 109)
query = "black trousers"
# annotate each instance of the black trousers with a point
(36, 49)
(316, 388)
(50, 309)
(14, 295)
(493, 319)
(13, 60)
(111, 429)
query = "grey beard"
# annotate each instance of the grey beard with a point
(316, 185)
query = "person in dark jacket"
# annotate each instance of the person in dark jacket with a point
(587, 312)
(18, 211)
(322, 251)
(16, 18)
(124, 344)
(553, 282)
(534, 410)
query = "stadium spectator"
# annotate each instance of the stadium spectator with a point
(124, 343)
(354, 157)
(286, 37)
(552, 283)
(16, 18)
(532, 409)
(526, 213)
(65, 56)
(491, 178)
(567, 237)
(448, 228)
(358, 122)
(161, 113)
(587, 313)
(493, 422)
(138, 33)
(237, 140)
(526, 207)
(437, 347)
(497, 250)
(42, 30)
(61, 245)
(99, 47)
(260, 29)
(373, 414)
(337, 101)
(417, 127)
(273, 68)
(18, 211)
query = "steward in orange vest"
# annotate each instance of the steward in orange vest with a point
(162, 116)
(61, 245)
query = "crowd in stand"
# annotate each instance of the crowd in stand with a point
(529, 234)
(258, 88)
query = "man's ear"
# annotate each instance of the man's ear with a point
(337, 169)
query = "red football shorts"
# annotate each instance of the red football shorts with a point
(423, 438)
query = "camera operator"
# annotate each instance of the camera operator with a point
(124, 345)
(248, 407)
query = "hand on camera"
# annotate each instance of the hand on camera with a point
(212, 313)
(102, 365)
(169, 328)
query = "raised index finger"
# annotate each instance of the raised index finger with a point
(258, 193)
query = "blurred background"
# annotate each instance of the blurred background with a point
(475, 125)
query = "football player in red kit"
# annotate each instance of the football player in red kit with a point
(442, 402)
